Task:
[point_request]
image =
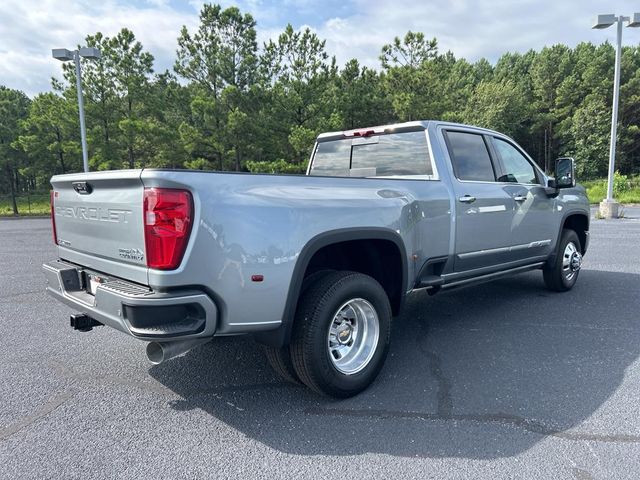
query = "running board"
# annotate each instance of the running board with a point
(491, 276)
(431, 281)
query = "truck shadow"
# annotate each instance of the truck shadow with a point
(484, 372)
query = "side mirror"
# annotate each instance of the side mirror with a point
(565, 172)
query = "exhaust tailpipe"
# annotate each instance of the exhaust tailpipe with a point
(158, 352)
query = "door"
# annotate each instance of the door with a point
(533, 228)
(484, 210)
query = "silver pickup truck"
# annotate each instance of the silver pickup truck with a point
(315, 266)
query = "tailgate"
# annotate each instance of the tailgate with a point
(99, 224)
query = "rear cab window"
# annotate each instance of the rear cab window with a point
(470, 156)
(404, 154)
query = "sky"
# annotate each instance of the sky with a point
(29, 29)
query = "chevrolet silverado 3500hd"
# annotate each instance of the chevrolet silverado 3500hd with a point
(313, 266)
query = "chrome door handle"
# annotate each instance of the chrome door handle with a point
(520, 198)
(467, 199)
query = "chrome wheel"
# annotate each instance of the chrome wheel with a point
(571, 261)
(353, 336)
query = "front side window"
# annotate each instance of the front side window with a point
(470, 157)
(516, 167)
(396, 154)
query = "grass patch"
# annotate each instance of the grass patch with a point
(626, 189)
(27, 205)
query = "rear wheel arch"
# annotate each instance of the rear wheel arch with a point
(368, 241)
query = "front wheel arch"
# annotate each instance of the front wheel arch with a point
(562, 274)
(579, 223)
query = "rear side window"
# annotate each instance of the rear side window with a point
(395, 154)
(470, 157)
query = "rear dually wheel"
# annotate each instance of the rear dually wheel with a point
(341, 333)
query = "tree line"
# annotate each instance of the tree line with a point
(230, 104)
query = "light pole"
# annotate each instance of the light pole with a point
(609, 207)
(65, 55)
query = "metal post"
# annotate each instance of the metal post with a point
(614, 111)
(83, 131)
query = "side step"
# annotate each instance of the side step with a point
(430, 275)
(491, 276)
(431, 281)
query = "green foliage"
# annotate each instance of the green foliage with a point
(410, 77)
(221, 59)
(626, 189)
(621, 184)
(360, 100)
(596, 190)
(589, 131)
(50, 137)
(14, 107)
(499, 106)
(117, 90)
(230, 104)
(412, 51)
(299, 84)
(37, 204)
(222, 52)
(277, 166)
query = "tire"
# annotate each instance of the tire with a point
(341, 333)
(280, 357)
(563, 274)
(280, 360)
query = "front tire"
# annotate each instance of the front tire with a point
(563, 274)
(341, 333)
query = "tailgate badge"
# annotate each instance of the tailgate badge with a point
(83, 188)
(131, 253)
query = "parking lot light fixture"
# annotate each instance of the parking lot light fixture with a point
(609, 207)
(604, 21)
(65, 55)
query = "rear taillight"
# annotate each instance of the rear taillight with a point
(52, 195)
(168, 215)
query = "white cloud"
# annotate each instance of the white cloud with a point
(471, 29)
(29, 32)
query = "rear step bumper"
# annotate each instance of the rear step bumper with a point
(131, 308)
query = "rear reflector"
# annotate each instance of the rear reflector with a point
(168, 215)
(53, 216)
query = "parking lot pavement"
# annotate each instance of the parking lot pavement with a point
(502, 380)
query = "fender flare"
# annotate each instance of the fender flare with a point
(281, 336)
(552, 258)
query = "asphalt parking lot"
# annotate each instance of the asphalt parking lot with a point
(502, 380)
